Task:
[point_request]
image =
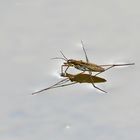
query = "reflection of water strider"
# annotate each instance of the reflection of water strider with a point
(74, 79)
(83, 78)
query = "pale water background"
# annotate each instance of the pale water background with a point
(32, 32)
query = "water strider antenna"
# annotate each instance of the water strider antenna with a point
(63, 58)
(64, 55)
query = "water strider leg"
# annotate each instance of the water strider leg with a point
(113, 65)
(92, 82)
(53, 86)
(105, 70)
(87, 60)
(118, 65)
(65, 69)
(62, 68)
(65, 85)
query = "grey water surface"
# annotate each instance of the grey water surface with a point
(34, 31)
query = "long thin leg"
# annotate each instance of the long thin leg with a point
(117, 65)
(62, 68)
(65, 69)
(111, 66)
(62, 85)
(62, 81)
(87, 60)
(104, 71)
(58, 83)
(53, 87)
(98, 88)
(65, 85)
(92, 82)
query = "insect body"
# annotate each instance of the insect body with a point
(83, 66)
(74, 79)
